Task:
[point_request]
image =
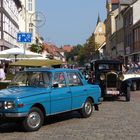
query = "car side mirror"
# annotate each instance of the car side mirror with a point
(55, 85)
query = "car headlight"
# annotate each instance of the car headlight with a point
(121, 77)
(102, 77)
(9, 105)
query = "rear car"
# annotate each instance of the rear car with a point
(133, 75)
(108, 74)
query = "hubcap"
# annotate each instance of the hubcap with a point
(88, 108)
(34, 120)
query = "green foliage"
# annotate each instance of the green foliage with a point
(82, 53)
(35, 48)
(70, 56)
(81, 56)
(87, 52)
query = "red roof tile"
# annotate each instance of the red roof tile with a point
(52, 49)
(115, 1)
(67, 48)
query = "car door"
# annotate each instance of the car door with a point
(79, 91)
(60, 95)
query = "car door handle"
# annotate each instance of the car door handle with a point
(85, 90)
(69, 92)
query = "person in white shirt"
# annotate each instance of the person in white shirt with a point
(2, 73)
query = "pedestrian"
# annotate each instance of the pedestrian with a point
(2, 73)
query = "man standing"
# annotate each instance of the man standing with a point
(2, 73)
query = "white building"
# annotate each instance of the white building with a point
(27, 20)
(9, 23)
(136, 15)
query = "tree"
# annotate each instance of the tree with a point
(74, 53)
(81, 56)
(87, 53)
(35, 48)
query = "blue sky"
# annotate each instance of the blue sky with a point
(70, 22)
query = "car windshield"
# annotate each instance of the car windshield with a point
(114, 67)
(36, 79)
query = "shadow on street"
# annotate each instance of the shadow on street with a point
(17, 127)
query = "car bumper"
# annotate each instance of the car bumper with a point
(13, 115)
(100, 100)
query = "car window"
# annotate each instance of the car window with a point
(38, 79)
(114, 67)
(74, 79)
(103, 66)
(59, 78)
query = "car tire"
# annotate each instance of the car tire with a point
(87, 109)
(34, 120)
(127, 94)
(134, 86)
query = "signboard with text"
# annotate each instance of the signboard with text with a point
(24, 37)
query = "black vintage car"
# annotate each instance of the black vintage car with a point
(108, 74)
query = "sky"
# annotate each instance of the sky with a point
(69, 22)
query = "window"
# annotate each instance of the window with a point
(59, 78)
(30, 24)
(37, 79)
(30, 5)
(136, 35)
(74, 79)
(30, 30)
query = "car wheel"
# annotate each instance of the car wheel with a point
(34, 120)
(127, 94)
(87, 109)
(134, 86)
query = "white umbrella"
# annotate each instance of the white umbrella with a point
(18, 53)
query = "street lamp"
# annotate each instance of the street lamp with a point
(38, 19)
(25, 26)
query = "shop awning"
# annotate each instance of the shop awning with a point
(36, 63)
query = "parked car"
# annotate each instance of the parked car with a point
(39, 92)
(133, 74)
(108, 74)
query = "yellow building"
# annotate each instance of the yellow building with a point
(99, 33)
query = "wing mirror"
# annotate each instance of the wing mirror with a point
(55, 85)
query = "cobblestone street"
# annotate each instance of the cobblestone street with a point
(116, 120)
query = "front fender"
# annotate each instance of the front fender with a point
(126, 83)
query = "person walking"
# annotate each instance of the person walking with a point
(2, 73)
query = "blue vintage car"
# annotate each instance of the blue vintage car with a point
(39, 92)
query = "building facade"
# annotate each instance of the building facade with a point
(136, 31)
(50, 51)
(128, 33)
(9, 23)
(112, 12)
(27, 20)
(99, 33)
(119, 35)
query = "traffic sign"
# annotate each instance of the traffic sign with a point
(24, 37)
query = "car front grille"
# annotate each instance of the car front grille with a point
(111, 80)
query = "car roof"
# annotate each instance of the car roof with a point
(107, 61)
(50, 70)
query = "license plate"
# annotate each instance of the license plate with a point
(112, 92)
